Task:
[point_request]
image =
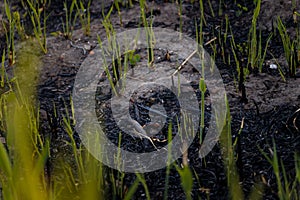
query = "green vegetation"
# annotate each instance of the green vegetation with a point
(70, 20)
(286, 189)
(229, 158)
(290, 46)
(10, 33)
(256, 55)
(84, 16)
(150, 36)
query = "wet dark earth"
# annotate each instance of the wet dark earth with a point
(270, 115)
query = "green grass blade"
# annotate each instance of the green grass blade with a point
(132, 189)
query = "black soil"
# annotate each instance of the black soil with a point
(269, 116)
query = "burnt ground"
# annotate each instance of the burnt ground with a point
(271, 113)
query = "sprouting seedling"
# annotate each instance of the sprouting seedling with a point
(149, 32)
(220, 10)
(10, 33)
(69, 22)
(116, 3)
(290, 47)
(37, 12)
(186, 177)
(84, 16)
(202, 12)
(295, 16)
(253, 38)
(169, 159)
(133, 57)
(180, 16)
(238, 50)
(202, 87)
(19, 26)
(211, 8)
(240, 10)
(2, 70)
(109, 76)
(284, 191)
(224, 36)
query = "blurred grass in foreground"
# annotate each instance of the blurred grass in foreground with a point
(24, 155)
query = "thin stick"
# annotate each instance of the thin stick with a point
(191, 55)
(184, 62)
(210, 41)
